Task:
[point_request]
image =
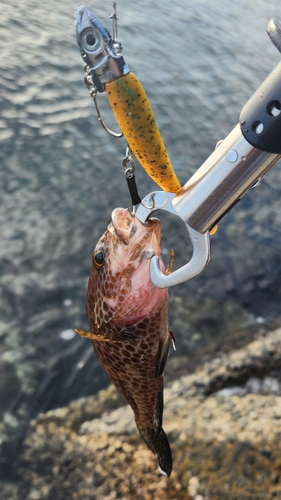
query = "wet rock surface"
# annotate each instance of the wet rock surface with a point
(226, 443)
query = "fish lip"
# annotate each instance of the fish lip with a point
(122, 223)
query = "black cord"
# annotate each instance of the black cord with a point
(133, 190)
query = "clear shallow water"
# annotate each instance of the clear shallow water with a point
(61, 176)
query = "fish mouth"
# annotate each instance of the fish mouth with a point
(124, 225)
(127, 225)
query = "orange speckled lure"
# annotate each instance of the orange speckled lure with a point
(131, 107)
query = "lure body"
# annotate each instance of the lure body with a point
(135, 117)
(127, 98)
(128, 320)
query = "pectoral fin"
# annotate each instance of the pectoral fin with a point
(164, 348)
(115, 336)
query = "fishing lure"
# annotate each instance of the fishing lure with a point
(109, 73)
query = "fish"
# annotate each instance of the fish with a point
(129, 326)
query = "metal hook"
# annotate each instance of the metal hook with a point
(93, 93)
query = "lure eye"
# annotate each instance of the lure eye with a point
(98, 259)
(91, 40)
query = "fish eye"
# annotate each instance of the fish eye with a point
(91, 40)
(98, 259)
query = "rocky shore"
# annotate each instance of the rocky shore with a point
(223, 423)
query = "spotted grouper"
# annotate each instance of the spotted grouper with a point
(128, 320)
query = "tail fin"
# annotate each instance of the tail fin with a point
(159, 445)
(164, 454)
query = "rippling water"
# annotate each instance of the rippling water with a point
(61, 176)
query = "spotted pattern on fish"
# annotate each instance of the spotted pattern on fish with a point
(128, 319)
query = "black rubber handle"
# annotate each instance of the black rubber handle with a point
(260, 119)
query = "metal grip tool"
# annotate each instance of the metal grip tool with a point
(236, 166)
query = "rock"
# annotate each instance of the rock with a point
(224, 445)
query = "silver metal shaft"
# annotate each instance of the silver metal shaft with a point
(225, 177)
